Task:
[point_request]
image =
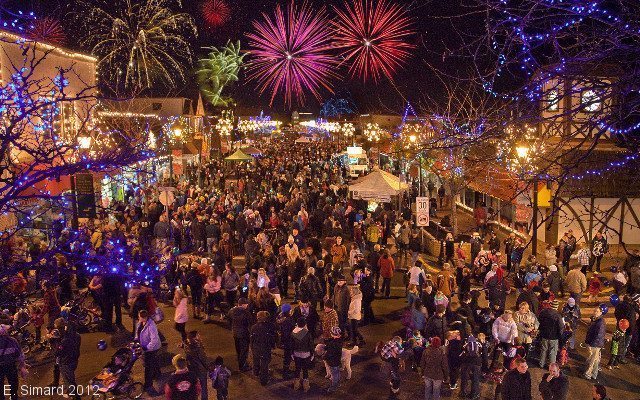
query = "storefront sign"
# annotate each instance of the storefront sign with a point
(85, 196)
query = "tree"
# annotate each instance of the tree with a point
(49, 133)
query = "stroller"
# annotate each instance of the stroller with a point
(115, 380)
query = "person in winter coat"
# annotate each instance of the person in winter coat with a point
(446, 281)
(333, 356)
(594, 341)
(626, 309)
(437, 324)
(576, 283)
(146, 333)
(341, 302)
(339, 254)
(516, 384)
(68, 355)
(555, 281)
(302, 346)
(329, 319)
(263, 339)
(571, 315)
(181, 315)
(527, 325)
(355, 315)
(551, 328)
(554, 384)
(454, 351)
(435, 368)
(505, 332)
(498, 289)
(286, 324)
(197, 360)
(470, 368)
(240, 317)
(387, 266)
(310, 287)
(183, 383)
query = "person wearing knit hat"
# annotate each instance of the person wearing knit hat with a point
(332, 357)
(550, 332)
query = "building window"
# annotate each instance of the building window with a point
(553, 100)
(590, 100)
(156, 106)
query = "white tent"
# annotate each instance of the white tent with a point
(303, 139)
(378, 186)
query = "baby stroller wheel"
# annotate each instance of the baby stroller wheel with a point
(84, 319)
(135, 391)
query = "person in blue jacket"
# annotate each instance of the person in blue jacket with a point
(594, 342)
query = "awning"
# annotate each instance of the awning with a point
(239, 155)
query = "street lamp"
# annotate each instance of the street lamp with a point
(523, 158)
(176, 131)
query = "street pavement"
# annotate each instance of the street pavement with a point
(369, 380)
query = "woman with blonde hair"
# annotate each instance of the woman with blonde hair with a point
(181, 315)
(527, 324)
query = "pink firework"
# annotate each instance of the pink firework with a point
(291, 53)
(48, 30)
(215, 12)
(371, 35)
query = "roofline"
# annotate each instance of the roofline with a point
(56, 49)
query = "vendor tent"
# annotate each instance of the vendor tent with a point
(251, 151)
(378, 186)
(239, 155)
(303, 139)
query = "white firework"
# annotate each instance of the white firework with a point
(139, 43)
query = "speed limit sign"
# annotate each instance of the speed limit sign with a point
(422, 211)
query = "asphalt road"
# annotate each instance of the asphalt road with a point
(369, 381)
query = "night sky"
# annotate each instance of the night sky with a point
(439, 25)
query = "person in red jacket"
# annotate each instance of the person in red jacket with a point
(387, 266)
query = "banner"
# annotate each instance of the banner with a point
(85, 196)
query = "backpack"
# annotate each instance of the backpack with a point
(220, 377)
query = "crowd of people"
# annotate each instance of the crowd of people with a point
(314, 264)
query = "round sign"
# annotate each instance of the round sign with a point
(423, 219)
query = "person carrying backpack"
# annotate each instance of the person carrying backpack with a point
(470, 368)
(220, 375)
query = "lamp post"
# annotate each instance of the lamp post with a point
(522, 152)
(84, 144)
(176, 134)
(413, 140)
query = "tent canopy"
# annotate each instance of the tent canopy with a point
(239, 155)
(251, 151)
(303, 139)
(378, 185)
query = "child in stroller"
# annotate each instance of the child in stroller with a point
(115, 378)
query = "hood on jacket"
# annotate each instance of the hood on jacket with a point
(299, 333)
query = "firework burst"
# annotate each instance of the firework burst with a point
(291, 53)
(49, 30)
(215, 12)
(139, 43)
(371, 35)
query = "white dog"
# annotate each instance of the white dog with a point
(345, 359)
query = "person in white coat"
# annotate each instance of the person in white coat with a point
(505, 332)
(355, 315)
(181, 315)
(146, 334)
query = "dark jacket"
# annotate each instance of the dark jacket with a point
(531, 299)
(69, 351)
(595, 333)
(436, 326)
(286, 323)
(625, 310)
(551, 324)
(263, 337)
(434, 364)
(197, 358)
(240, 321)
(556, 389)
(341, 299)
(301, 340)
(333, 352)
(516, 386)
